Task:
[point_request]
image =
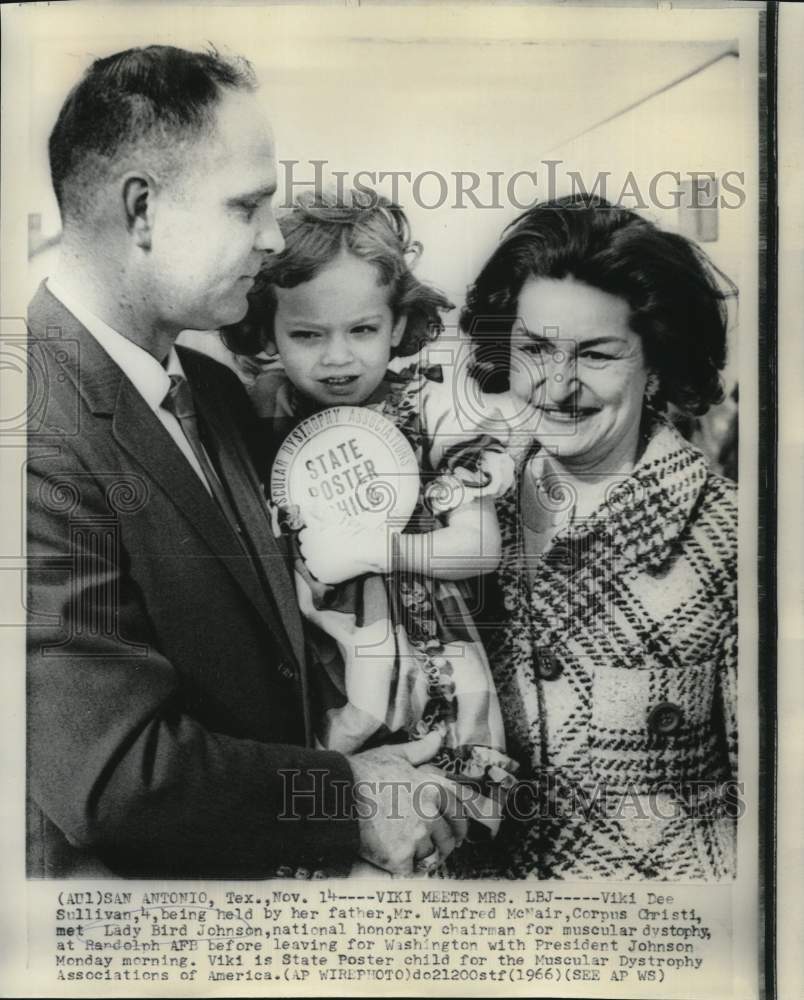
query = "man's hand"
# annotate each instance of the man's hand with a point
(406, 815)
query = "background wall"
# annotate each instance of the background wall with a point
(379, 94)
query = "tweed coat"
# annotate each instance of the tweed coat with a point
(615, 661)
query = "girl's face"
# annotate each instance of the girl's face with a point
(335, 332)
(577, 362)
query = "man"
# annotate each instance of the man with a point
(167, 711)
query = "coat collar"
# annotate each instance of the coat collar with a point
(651, 509)
(107, 392)
(647, 511)
(96, 377)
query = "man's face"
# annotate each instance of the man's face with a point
(213, 222)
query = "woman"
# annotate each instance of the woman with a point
(615, 647)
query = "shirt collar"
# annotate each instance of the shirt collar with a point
(146, 374)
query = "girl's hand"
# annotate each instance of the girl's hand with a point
(337, 553)
(493, 475)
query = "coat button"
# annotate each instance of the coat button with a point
(549, 666)
(561, 554)
(285, 670)
(665, 719)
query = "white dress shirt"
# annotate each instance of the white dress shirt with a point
(146, 374)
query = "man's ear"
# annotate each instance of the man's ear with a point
(138, 204)
(398, 331)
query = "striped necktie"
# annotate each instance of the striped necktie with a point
(179, 402)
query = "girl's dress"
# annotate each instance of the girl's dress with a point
(399, 655)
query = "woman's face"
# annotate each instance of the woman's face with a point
(335, 332)
(577, 362)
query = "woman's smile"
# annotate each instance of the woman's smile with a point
(566, 414)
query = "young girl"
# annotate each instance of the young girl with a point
(396, 655)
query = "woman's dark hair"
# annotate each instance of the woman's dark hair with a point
(677, 304)
(317, 229)
(158, 95)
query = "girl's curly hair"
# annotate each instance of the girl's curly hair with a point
(320, 226)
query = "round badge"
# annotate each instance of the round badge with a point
(346, 464)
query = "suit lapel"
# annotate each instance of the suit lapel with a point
(137, 430)
(141, 434)
(238, 472)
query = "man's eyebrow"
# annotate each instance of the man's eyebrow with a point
(266, 191)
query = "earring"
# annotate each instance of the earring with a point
(652, 387)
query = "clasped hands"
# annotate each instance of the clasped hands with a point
(409, 814)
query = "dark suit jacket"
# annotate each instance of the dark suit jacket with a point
(166, 686)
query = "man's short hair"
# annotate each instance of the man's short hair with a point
(159, 96)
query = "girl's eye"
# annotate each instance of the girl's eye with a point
(303, 334)
(365, 328)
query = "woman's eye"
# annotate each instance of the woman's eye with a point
(364, 329)
(533, 350)
(596, 356)
(303, 335)
(249, 209)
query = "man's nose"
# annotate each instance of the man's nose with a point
(269, 236)
(337, 350)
